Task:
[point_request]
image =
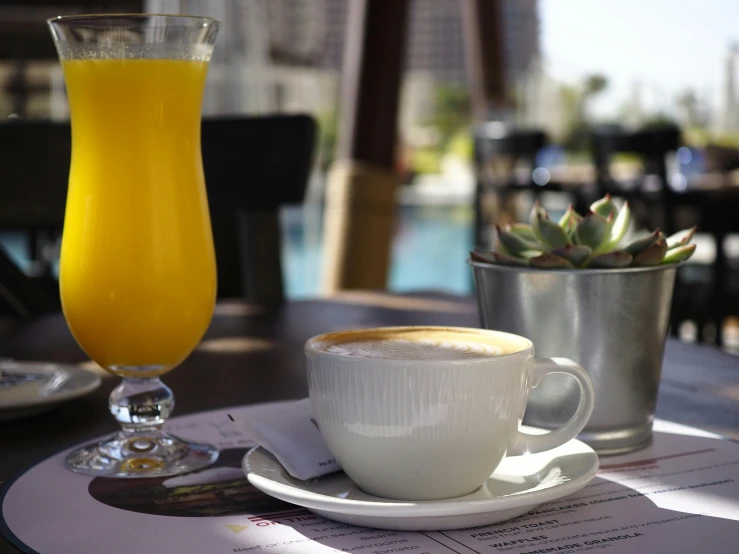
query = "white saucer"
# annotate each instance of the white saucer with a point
(30, 388)
(518, 485)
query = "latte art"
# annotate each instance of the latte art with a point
(423, 349)
(415, 343)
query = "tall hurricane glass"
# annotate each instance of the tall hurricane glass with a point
(137, 270)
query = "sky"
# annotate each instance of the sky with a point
(665, 45)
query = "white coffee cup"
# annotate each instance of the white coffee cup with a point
(428, 429)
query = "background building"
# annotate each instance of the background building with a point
(435, 40)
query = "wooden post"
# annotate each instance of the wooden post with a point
(360, 190)
(485, 64)
(482, 22)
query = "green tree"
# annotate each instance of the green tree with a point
(328, 132)
(451, 112)
(692, 111)
(451, 118)
(574, 101)
(594, 84)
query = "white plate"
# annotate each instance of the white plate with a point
(518, 485)
(30, 388)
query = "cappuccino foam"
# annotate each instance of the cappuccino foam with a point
(417, 343)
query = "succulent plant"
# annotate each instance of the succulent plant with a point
(590, 241)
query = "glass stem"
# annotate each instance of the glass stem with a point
(141, 405)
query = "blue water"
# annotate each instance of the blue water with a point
(430, 247)
(15, 246)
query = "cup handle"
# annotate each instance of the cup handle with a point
(525, 443)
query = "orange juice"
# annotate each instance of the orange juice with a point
(137, 270)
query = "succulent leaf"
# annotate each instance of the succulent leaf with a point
(552, 235)
(496, 258)
(611, 260)
(641, 244)
(592, 231)
(528, 254)
(652, 255)
(576, 254)
(537, 213)
(569, 220)
(620, 225)
(572, 225)
(680, 239)
(679, 254)
(605, 207)
(523, 230)
(537, 210)
(485, 257)
(567, 216)
(550, 261)
(512, 244)
(577, 242)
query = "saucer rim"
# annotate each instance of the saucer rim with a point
(92, 382)
(448, 507)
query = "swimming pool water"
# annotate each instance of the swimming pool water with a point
(429, 252)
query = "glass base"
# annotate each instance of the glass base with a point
(141, 454)
(620, 441)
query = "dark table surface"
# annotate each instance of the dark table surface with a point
(254, 354)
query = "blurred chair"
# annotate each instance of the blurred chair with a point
(714, 212)
(252, 165)
(653, 200)
(34, 166)
(498, 150)
(506, 163)
(703, 293)
(652, 203)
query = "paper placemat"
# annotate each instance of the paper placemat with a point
(679, 495)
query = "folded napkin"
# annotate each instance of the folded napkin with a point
(288, 431)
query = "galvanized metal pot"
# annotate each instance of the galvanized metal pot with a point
(613, 322)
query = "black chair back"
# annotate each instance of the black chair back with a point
(496, 139)
(252, 165)
(34, 167)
